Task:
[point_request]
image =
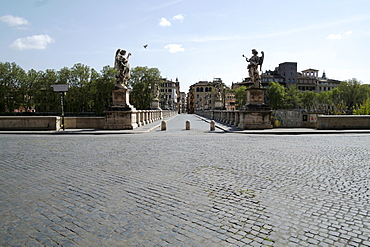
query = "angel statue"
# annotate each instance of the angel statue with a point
(122, 65)
(254, 61)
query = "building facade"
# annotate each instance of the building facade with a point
(169, 94)
(286, 74)
(205, 95)
(183, 102)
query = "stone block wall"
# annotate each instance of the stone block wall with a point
(343, 122)
(29, 123)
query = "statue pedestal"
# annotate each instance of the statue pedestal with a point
(121, 115)
(218, 104)
(255, 119)
(121, 99)
(255, 114)
(255, 96)
(155, 104)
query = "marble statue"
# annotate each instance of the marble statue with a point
(254, 62)
(122, 65)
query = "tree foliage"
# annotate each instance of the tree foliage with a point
(89, 91)
(363, 109)
(142, 83)
(349, 97)
(277, 96)
(240, 96)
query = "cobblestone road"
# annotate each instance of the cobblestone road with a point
(185, 188)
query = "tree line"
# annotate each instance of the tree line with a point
(349, 97)
(89, 91)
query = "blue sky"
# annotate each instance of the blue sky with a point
(190, 39)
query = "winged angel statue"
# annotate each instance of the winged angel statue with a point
(122, 65)
(254, 62)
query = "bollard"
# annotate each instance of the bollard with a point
(163, 125)
(212, 125)
(187, 125)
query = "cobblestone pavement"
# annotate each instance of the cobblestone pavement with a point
(185, 188)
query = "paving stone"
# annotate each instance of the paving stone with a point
(184, 188)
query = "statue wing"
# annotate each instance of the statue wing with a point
(116, 66)
(260, 60)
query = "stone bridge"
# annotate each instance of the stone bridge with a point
(185, 188)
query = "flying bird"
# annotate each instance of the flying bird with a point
(145, 46)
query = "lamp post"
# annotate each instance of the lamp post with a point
(224, 89)
(62, 88)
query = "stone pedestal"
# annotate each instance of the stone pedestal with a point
(155, 104)
(120, 120)
(255, 96)
(121, 115)
(255, 114)
(254, 119)
(121, 99)
(218, 104)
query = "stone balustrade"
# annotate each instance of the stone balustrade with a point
(227, 117)
(293, 119)
(143, 117)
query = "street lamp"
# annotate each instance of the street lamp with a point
(224, 97)
(62, 88)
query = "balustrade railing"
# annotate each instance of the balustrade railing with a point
(144, 117)
(227, 117)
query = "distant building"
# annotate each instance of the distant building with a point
(230, 101)
(169, 94)
(286, 74)
(205, 95)
(183, 103)
(309, 80)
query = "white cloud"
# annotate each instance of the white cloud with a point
(164, 22)
(38, 42)
(179, 17)
(334, 36)
(348, 33)
(14, 20)
(173, 48)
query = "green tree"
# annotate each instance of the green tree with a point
(309, 100)
(292, 97)
(81, 93)
(277, 95)
(240, 96)
(324, 100)
(363, 109)
(79, 82)
(349, 94)
(13, 86)
(102, 89)
(6, 87)
(44, 97)
(142, 84)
